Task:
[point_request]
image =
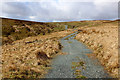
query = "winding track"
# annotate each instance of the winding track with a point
(61, 65)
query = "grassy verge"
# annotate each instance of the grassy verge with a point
(31, 57)
(105, 47)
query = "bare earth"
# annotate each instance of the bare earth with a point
(104, 41)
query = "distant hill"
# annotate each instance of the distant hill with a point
(13, 29)
(87, 23)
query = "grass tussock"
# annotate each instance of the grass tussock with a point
(103, 39)
(13, 30)
(29, 64)
(78, 67)
(30, 57)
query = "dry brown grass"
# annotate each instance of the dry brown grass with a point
(103, 40)
(30, 57)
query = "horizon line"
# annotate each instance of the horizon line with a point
(60, 21)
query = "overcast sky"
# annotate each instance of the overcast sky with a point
(59, 10)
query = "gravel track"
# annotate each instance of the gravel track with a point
(62, 64)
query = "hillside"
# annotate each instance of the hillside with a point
(103, 40)
(13, 30)
(31, 57)
(32, 45)
(75, 24)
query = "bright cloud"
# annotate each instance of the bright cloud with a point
(60, 10)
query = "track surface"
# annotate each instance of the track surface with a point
(62, 64)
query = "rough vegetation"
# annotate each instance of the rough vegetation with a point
(30, 57)
(28, 47)
(103, 39)
(13, 30)
(76, 24)
(78, 67)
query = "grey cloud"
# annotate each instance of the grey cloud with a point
(16, 10)
(60, 11)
